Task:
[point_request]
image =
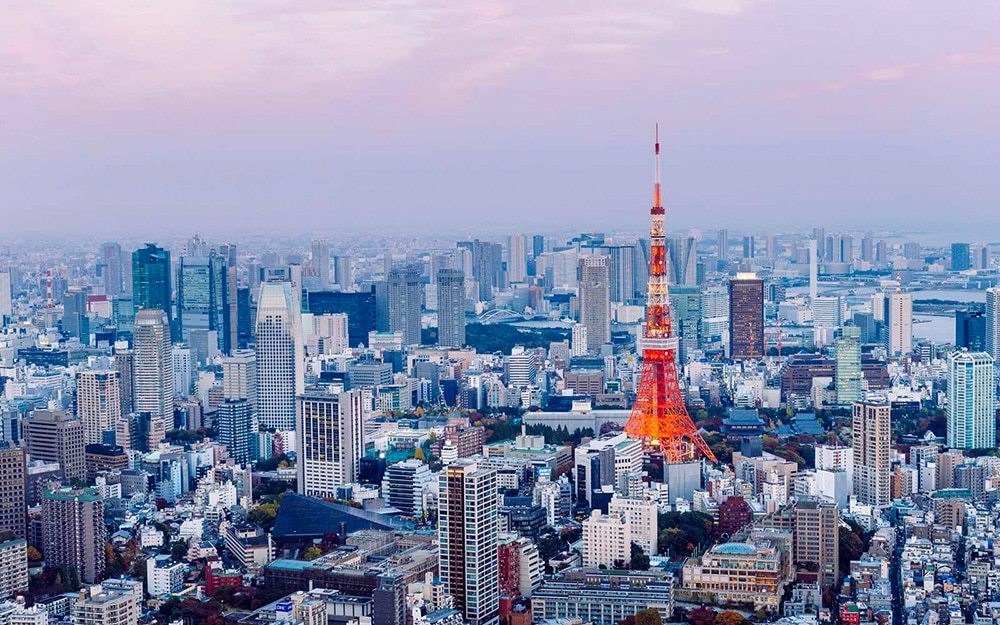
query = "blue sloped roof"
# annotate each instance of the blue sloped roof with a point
(301, 516)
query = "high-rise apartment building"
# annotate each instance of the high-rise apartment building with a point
(73, 531)
(239, 376)
(405, 293)
(722, 245)
(595, 300)
(153, 381)
(125, 367)
(451, 307)
(467, 539)
(746, 317)
(816, 538)
(848, 361)
(898, 319)
(871, 435)
(280, 375)
(971, 401)
(331, 440)
(993, 322)
(517, 258)
(235, 422)
(13, 490)
(103, 605)
(98, 404)
(56, 436)
(151, 280)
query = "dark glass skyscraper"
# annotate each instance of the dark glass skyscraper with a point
(203, 297)
(961, 259)
(151, 281)
(746, 317)
(358, 306)
(970, 330)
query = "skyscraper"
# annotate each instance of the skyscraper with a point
(359, 308)
(683, 263)
(623, 283)
(746, 317)
(154, 372)
(722, 245)
(405, 297)
(970, 330)
(151, 280)
(467, 540)
(971, 401)
(56, 436)
(98, 404)
(685, 308)
(848, 372)
(234, 420)
(320, 262)
(517, 258)
(537, 245)
(595, 300)
(125, 367)
(75, 322)
(451, 307)
(993, 322)
(816, 537)
(898, 319)
(111, 268)
(73, 532)
(13, 490)
(487, 266)
(203, 298)
(871, 432)
(961, 259)
(749, 246)
(280, 375)
(239, 376)
(331, 440)
(343, 274)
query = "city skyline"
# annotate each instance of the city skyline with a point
(298, 117)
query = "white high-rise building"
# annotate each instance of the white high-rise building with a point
(971, 401)
(320, 262)
(325, 334)
(607, 540)
(98, 403)
(871, 432)
(153, 383)
(517, 258)
(467, 540)
(578, 339)
(331, 441)
(280, 375)
(642, 515)
(239, 377)
(993, 322)
(183, 374)
(6, 296)
(898, 318)
(595, 300)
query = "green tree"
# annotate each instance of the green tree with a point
(311, 553)
(639, 560)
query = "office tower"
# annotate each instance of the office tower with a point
(239, 376)
(819, 235)
(685, 306)
(771, 246)
(521, 367)
(330, 440)
(55, 436)
(405, 293)
(124, 359)
(842, 248)
(722, 245)
(816, 538)
(623, 287)
(714, 317)
(749, 246)
(993, 322)
(151, 281)
(75, 322)
(659, 415)
(98, 403)
(451, 307)
(848, 371)
(467, 540)
(898, 319)
(971, 401)
(595, 300)
(404, 485)
(111, 268)
(359, 308)
(746, 317)
(606, 540)
(828, 312)
(537, 245)
(319, 262)
(154, 372)
(73, 532)
(280, 375)
(882, 252)
(517, 258)
(235, 423)
(487, 266)
(867, 249)
(813, 271)
(6, 297)
(970, 330)
(683, 261)
(343, 275)
(182, 360)
(203, 292)
(961, 259)
(871, 432)
(13, 490)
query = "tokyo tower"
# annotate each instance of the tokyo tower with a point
(659, 416)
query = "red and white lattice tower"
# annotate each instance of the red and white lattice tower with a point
(659, 416)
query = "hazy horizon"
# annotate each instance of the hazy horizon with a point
(294, 118)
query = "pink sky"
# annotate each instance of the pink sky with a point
(306, 116)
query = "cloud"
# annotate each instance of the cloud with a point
(987, 56)
(718, 7)
(889, 74)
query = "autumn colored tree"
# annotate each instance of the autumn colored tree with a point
(728, 617)
(649, 616)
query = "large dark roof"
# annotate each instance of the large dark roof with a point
(304, 517)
